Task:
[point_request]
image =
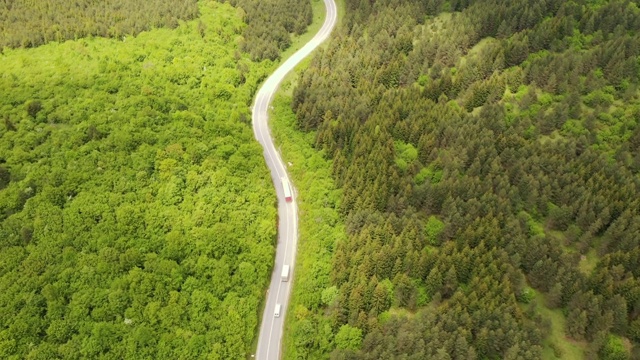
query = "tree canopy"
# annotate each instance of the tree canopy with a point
(270, 23)
(483, 149)
(137, 217)
(26, 23)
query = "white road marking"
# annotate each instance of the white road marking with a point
(289, 235)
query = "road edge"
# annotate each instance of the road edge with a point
(273, 82)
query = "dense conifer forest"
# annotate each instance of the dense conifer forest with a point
(137, 217)
(270, 24)
(32, 23)
(489, 155)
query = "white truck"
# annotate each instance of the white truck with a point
(287, 189)
(276, 312)
(285, 273)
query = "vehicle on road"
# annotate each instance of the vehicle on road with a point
(285, 273)
(271, 327)
(287, 189)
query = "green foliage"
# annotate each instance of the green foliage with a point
(559, 218)
(432, 230)
(574, 128)
(634, 330)
(526, 295)
(5, 177)
(270, 24)
(406, 154)
(422, 296)
(557, 350)
(321, 231)
(431, 173)
(533, 226)
(329, 295)
(536, 147)
(614, 349)
(31, 24)
(33, 108)
(559, 345)
(348, 338)
(136, 214)
(599, 98)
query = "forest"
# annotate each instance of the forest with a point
(137, 216)
(270, 23)
(27, 24)
(33, 23)
(488, 156)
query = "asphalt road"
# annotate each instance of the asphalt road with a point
(269, 340)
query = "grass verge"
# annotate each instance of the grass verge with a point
(317, 196)
(320, 225)
(319, 14)
(298, 41)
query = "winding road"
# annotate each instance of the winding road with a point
(271, 327)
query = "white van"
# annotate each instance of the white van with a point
(285, 273)
(277, 312)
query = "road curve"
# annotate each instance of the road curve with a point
(269, 340)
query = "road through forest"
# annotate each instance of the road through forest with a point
(271, 327)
